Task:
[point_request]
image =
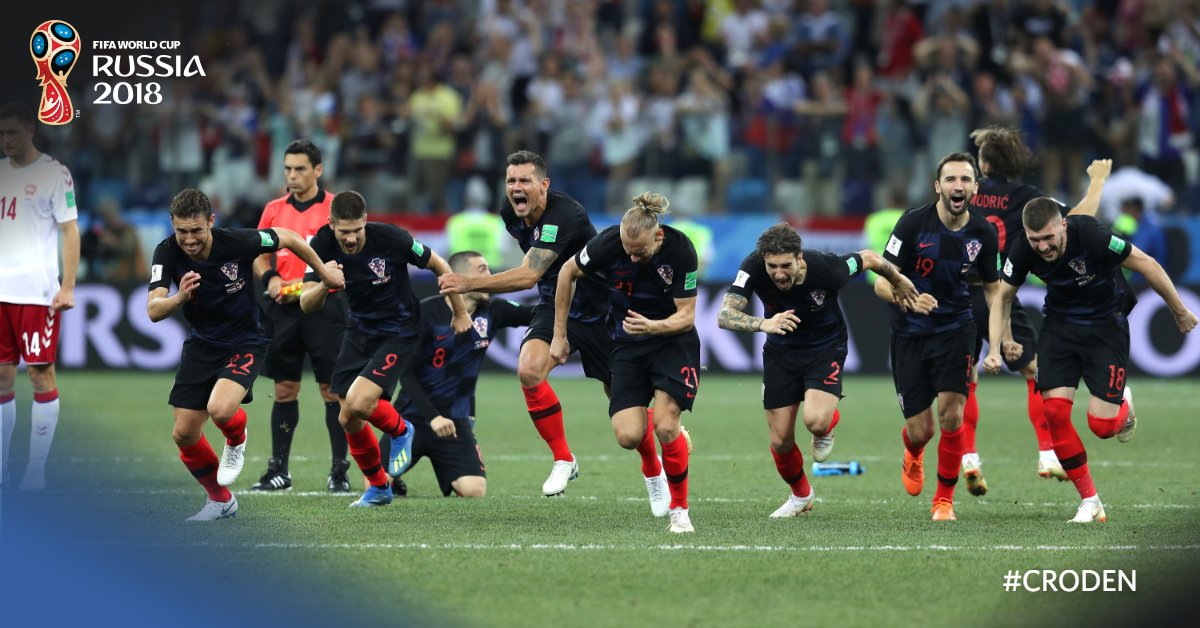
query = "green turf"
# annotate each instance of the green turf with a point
(866, 555)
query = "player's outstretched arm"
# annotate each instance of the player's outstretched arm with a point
(733, 317)
(1139, 262)
(902, 289)
(331, 276)
(461, 321)
(1097, 173)
(560, 348)
(160, 306)
(523, 277)
(64, 299)
(683, 319)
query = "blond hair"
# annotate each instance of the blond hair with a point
(646, 213)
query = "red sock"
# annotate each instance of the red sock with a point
(235, 428)
(1107, 428)
(950, 453)
(1067, 446)
(790, 465)
(837, 416)
(646, 449)
(547, 417)
(970, 420)
(366, 454)
(1037, 416)
(675, 461)
(912, 449)
(387, 419)
(202, 461)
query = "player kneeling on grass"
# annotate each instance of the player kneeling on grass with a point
(223, 352)
(650, 269)
(383, 334)
(437, 390)
(806, 342)
(1086, 332)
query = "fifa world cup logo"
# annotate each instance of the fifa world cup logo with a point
(55, 49)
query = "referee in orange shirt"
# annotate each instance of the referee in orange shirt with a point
(319, 335)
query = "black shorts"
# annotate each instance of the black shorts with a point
(1100, 354)
(452, 458)
(670, 364)
(592, 341)
(924, 366)
(318, 334)
(788, 375)
(201, 364)
(380, 359)
(1022, 329)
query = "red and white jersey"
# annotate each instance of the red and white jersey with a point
(34, 200)
(304, 218)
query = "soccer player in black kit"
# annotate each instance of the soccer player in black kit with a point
(223, 352)
(937, 246)
(650, 270)
(1003, 158)
(806, 342)
(550, 227)
(437, 390)
(383, 332)
(1086, 331)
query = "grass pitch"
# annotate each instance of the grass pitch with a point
(867, 555)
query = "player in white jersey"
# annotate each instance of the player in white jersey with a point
(37, 205)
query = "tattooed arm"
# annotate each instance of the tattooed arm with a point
(734, 318)
(523, 277)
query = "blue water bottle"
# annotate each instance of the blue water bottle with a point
(838, 468)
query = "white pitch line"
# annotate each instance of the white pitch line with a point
(632, 459)
(242, 493)
(571, 547)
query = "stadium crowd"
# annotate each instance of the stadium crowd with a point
(797, 107)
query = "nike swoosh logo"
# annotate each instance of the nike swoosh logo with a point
(1112, 396)
(441, 338)
(691, 395)
(226, 509)
(924, 245)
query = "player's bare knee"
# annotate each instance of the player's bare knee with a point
(184, 438)
(530, 375)
(629, 437)
(42, 377)
(818, 422)
(781, 444)
(286, 392)
(667, 433)
(359, 408)
(8, 377)
(473, 486)
(950, 419)
(222, 412)
(327, 394)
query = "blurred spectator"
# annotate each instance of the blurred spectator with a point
(368, 151)
(741, 32)
(570, 145)
(1065, 83)
(900, 32)
(436, 112)
(1165, 104)
(112, 248)
(822, 120)
(704, 114)
(482, 136)
(819, 39)
(943, 109)
(615, 125)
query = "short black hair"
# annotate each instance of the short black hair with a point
(22, 112)
(458, 261)
(189, 203)
(348, 205)
(1040, 212)
(527, 157)
(959, 156)
(780, 238)
(304, 147)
